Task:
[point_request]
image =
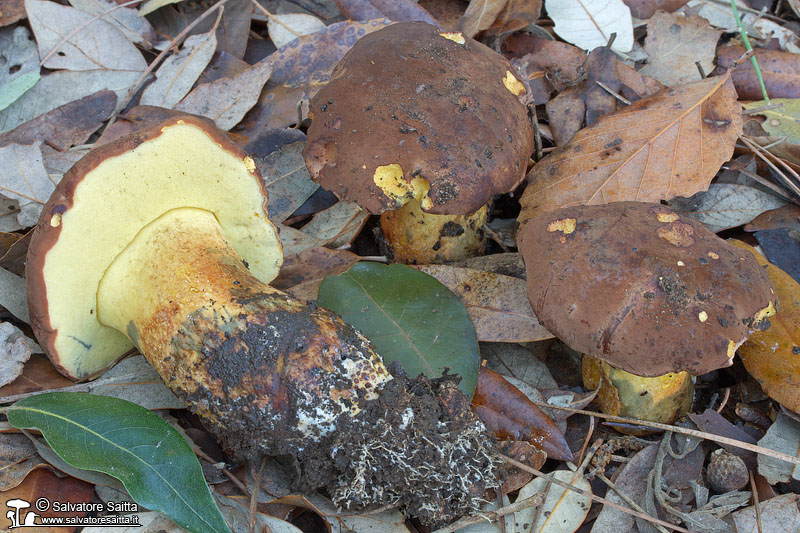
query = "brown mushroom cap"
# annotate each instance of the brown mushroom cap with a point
(106, 199)
(642, 287)
(410, 107)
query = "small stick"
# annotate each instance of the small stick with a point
(724, 399)
(254, 495)
(755, 502)
(613, 93)
(598, 499)
(233, 479)
(677, 429)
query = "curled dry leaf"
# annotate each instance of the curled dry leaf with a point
(675, 43)
(772, 356)
(23, 178)
(480, 15)
(510, 414)
(590, 23)
(314, 263)
(496, 304)
(17, 458)
(668, 145)
(780, 71)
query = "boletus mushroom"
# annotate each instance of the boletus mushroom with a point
(653, 295)
(424, 127)
(161, 241)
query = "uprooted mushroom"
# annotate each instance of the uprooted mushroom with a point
(160, 241)
(652, 295)
(424, 127)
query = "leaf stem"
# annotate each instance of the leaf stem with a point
(749, 47)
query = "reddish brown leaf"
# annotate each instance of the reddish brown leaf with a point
(780, 71)
(11, 11)
(42, 483)
(12, 257)
(644, 9)
(551, 66)
(480, 14)
(509, 413)
(516, 15)
(38, 374)
(667, 145)
(394, 10)
(712, 422)
(311, 264)
(512, 477)
(65, 126)
(447, 12)
(787, 217)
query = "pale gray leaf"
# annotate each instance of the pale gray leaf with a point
(295, 241)
(136, 28)
(287, 180)
(23, 178)
(513, 360)
(17, 458)
(782, 436)
(63, 87)
(13, 295)
(727, 205)
(93, 44)
(19, 64)
(15, 350)
(226, 100)
(178, 73)
(284, 29)
(780, 514)
(135, 380)
(338, 224)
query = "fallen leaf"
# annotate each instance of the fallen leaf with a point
(395, 10)
(11, 11)
(39, 374)
(780, 514)
(23, 178)
(446, 12)
(516, 15)
(299, 70)
(783, 121)
(783, 436)
(284, 29)
(479, 15)
(13, 257)
(507, 264)
(16, 349)
(17, 459)
(510, 413)
(19, 64)
(780, 72)
(337, 225)
(13, 295)
(514, 360)
(90, 476)
(177, 74)
(63, 87)
(226, 100)
(66, 126)
(674, 44)
(498, 305)
(720, 15)
(149, 521)
(152, 5)
(239, 517)
(787, 217)
(314, 263)
(295, 241)
(771, 356)
(563, 510)
(590, 23)
(42, 483)
(759, 27)
(671, 144)
(137, 29)
(782, 248)
(727, 205)
(550, 66)
(93, 44)
(644, 9)
(632, 482)
(712, 422)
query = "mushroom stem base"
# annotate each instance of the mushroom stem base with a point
(417, 237)
(658, 399)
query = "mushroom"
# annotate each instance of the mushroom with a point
(161, 241)
(653, 295)
(424, 127)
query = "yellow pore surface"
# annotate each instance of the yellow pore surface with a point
(182, 167)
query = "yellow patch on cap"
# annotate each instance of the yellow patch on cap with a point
(391, 181)
(731, 349)
(455, 36)
(513, 84)
(565, 225)
(768, 311)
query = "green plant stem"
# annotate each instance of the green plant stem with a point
(749, 48)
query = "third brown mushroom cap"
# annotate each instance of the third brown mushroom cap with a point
(415, 112)
(642, 287)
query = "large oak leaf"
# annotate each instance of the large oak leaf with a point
(667, 145)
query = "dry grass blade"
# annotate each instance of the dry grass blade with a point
(670, 144)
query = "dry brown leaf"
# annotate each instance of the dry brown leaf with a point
(17, 458)
(395, 10)
(668, 145)
(446, 12)
(787, 217)
(772, 356)
(39, 374)
(11, 11)
(516, 15)
(675, 43)
(314, 263)
(480, 15)
(497, 304)
(644, 9)
(780, 71)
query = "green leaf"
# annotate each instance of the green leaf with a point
(128, 442)
(409, 316)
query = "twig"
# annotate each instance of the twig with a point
(755, 502)
(613, 93)
(748, 46)
(254, 495)
(724, 399)
(533, 501)
(588, 494)
(761, 153)
(276, 19)
(677, 429)
(235, 480)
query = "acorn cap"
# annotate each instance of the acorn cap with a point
(643, 288)
(106, 199)
(415, 112)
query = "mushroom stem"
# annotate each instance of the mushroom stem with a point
(417, 237)
(271, 375)
(660, 399)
